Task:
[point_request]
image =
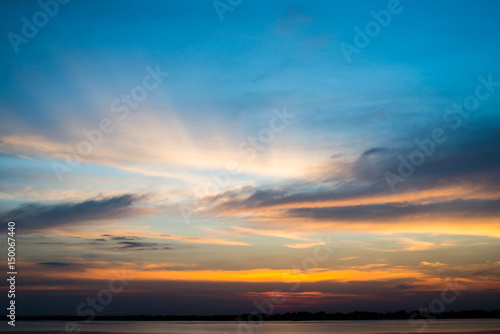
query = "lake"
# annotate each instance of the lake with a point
(278, 327)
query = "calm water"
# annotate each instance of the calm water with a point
(279, 327)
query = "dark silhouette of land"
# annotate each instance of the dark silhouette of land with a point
(289, 316)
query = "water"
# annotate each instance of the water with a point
(275, 327)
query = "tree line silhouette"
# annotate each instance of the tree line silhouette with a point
(288, 316)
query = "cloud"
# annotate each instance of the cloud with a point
(205, 240)
(128, 238)
(36, 216)
(432, 264)
(55, 264)
(377, 212)
(135, 245)
(375, 150)
(337, 155)
(462, 174)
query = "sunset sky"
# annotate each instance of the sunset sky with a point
(217, 152)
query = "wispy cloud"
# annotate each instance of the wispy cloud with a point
(37, 216)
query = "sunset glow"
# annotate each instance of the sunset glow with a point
(214, 163)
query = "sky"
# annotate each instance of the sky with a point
(212, 157)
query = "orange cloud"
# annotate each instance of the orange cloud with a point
(254, 275)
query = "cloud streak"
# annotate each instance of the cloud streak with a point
(36, 216)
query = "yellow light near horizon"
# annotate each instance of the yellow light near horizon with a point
(254, 275)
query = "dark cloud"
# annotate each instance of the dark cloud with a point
(35, 216)
(129, 238)
(405, 286)
(370, 163)
(294, 193)
(475, 208)
(337, 155)
(55, 264)
(135, 245)
(375, 150)
(470, 155)
(486, 272)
